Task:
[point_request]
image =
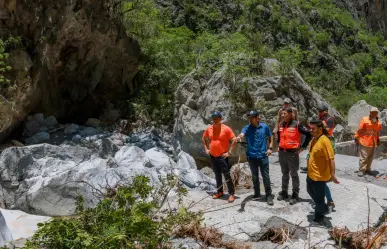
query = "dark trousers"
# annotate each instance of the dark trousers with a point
(316, 190)
(290, 164)
(263, 165)
(221, 166)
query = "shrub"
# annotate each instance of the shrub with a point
(129, 217)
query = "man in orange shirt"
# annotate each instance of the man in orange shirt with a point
(321, 168)
(220, 136)
(368, 136)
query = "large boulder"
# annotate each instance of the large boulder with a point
(197, 98)
(72, 64)
(356, 113)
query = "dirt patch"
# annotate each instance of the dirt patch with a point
(278, 230)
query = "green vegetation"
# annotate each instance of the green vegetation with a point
(332, 51)
(129, 217)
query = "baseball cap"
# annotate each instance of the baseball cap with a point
(322, 108)
(287, 100)
(374, 109)
(216, 114)
(253, 113)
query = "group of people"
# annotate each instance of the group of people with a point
(292, 137)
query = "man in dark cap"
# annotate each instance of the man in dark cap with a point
(256, 134)
(220, 136)
(287, 104)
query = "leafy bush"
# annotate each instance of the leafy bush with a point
(130, 217)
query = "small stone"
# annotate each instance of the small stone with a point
(39, 117)
(51, 122)
(93, 122)
(89, 131)
(72, 128)
(31, 128)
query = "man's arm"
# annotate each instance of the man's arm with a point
(359, 131)
(204, 142)
(332, 166)
(303, 130)
(232, 137)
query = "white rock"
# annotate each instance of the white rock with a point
(159, 158)
(185, 161)
(132, 157)
(5, 233)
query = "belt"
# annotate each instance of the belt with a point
(288, 150)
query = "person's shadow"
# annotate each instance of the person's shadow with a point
(243, 203)
(325, 223)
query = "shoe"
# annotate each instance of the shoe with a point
(319, 221)
(294, 199)
(231, 198)
(269, 200)
(368, 172)
(256, 197)
(360, 173)
(216, 196)
(282, 196)
(331, 204)
(305, 169)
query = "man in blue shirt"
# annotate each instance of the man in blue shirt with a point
(256, 134)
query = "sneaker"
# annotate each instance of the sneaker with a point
(269, 200)
(294, 199)
(216, 196)
(331, 204)
(360, 173)
(256, 197)
(304, 169)
(282, 196)
(231, 198)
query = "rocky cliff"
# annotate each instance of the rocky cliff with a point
(197, 98)
(373, 11)
(72, 60)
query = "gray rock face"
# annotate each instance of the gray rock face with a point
(46, 179)
(374, 12)
(264, 93)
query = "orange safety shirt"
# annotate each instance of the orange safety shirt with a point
(368, 132)
(219, 139)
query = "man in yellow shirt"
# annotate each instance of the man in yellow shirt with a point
(321, 168)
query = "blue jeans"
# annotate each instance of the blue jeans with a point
(262, 164)
(328, 193)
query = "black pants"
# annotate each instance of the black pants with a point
(221, 166)
(290, 164)
(316, 191)
(263, 165)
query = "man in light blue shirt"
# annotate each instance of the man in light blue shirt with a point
(256, 134)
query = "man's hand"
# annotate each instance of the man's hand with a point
(356, 141)
(225, 155)
(299, 151)
(334, 179)
(236, 139)
(268, 152)
(207, 151)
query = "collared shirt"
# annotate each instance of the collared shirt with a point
(256, 139)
